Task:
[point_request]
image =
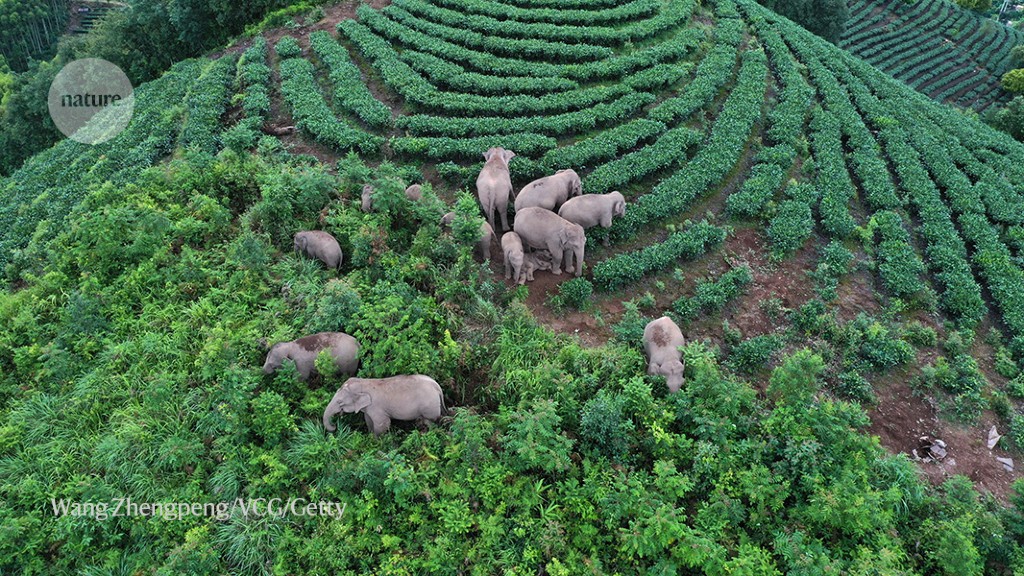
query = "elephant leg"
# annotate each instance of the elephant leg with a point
(567, 258)
(556, 257)
(508, 267)
(503, 212)
(378, 423)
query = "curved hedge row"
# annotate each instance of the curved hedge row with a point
(350, 91)
(603, 147)
(444, 73)
(569, 122)
(615, 14)
(311, 113)
(471, 148)
(898, 264)
(664, 153)
(628, 268)
(712, 295)
(205, 103)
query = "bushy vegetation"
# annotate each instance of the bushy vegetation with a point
(143, 280)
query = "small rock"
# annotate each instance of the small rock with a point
(937, 452)
(993, 438)
(1007, 463)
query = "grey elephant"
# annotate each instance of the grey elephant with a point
(494, 185)
(533, 262)
(320, 245)
(303, 351)
(414, 192)
(550, 192)
(512, 248)
(409, 397)
(367, 198)
(662, 339)
(543, 229)
(483, 247)
(591, 210)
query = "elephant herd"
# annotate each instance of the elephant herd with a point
(551, 214)
(419, 397)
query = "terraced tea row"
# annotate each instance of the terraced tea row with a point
(946, 52)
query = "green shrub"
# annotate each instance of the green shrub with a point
(288, 47)
(335, 309)
(850, 384)
(575, 293)
(918, 334)
(604, 427)
(271, 418)
(755, 353)
(533, 437)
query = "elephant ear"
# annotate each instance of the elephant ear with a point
(487, 156)
(620, 208)
(360, 402)
(508, 155)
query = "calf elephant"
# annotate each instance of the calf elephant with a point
(414, 192)
(662, 339)
(320, 245)
(592, 210)
(543, 229)
(410, 397)
(483, 247)
(533, 262)
(550, 192)
(512, 247)
(494, 185)
(303, 351)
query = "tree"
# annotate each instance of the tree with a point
(1013, 81)
(1017, 54)
(976, 5)
(826, 18)
(1010, 119)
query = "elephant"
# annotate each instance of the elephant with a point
(543, 229)
(414, 192)
(303, 351)
(367, 198)
(592, 210)
(550, 192)
(320, 245)
(483, 247)
(408, 397)
(512, 247)
(533, 262)
(662, 339)
(494, 185)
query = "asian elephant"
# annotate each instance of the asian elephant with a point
(320, 245)
(483, 247)
(662, 339)
(592, 210)
(409, 397)
(414, 192)
(367, 198)
(533, 262)
(303, 351)
(550, 192)
(545, 230)
(512, 247)
(494, 185)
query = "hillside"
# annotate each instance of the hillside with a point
(843, 254)
(937, 48)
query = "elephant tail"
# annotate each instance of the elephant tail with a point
(444, 408)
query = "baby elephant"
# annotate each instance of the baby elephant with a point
(662, 339)
(320, 245)
(414, 192)
(533, 262)
(303, 351)
(512, 247)
(380, 400)
(592, 210)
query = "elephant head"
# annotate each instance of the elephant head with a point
(349, 398)
(499, 155)
(618, 204)
(277, 355)
(673, 371)
(300, 242)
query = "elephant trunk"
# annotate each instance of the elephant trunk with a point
(329, 415)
